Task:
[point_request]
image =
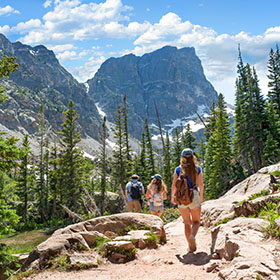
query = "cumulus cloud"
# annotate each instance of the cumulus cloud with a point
(47, 3)
(5, 29)
(72, 20)
(218, 52)
(8, 10)
(87, 71)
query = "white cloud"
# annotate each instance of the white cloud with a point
(8, 10)
(24, 27)
(47, 3)
(71, 20)
(87, 71)
(218, 52)
(5, 29)
(61, 48)
(66, 55)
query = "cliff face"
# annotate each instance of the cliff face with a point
(40, 79)
(170, 77)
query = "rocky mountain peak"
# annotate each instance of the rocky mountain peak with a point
(170, 77)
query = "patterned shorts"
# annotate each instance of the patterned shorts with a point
(158, 209)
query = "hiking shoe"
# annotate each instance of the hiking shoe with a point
(192, 244)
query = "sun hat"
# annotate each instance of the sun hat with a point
(156, 176)
(187, 152)
(135, 176)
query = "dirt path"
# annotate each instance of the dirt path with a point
(170, 261)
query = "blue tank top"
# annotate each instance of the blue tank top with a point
(189, 180)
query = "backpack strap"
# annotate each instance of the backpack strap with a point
(178, 172)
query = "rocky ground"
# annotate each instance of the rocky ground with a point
(169, 261)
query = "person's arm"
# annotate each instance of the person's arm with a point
(164, 195)
(200, 185)
(126, 191)
(148, 193)
(173, 188)
(142, 188)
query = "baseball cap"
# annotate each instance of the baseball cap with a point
(187, 152)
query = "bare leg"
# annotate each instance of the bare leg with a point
(195, 213)
(156, 213)
(187, 221)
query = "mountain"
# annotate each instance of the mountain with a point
(40, 79)
(170, 77)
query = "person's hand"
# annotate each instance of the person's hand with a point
(201, 199)
(173, 201)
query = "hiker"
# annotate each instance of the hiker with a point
(190, 213)
(133, 192)
(156, 191)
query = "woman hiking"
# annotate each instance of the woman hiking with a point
(156, 191)
(190, 213)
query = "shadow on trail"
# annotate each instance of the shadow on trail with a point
(199, 258)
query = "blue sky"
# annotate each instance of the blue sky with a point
(83, 34)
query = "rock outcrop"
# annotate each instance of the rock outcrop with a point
(40, 79)
(215, 211)
(170, 77)
(84, 234)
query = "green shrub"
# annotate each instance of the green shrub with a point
(170, 214)
(152, 239)
(256, 195)
(223, 221)
(100, 242)
(129, 253)
(276, 173)
(269, 212)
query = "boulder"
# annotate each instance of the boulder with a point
(241, 241)
(83, 235)
(214, 211)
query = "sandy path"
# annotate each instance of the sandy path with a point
(170, 261)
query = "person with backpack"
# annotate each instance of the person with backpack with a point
(156, 192)
(187, 193)
(133, 192)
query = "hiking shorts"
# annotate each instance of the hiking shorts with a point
(134, 204)
(194, 204)
(157, 209)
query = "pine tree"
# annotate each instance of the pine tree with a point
(201, 152)
(210, 152)
(23, 186)
(72, 163)
(150, 151)
(119, 152)
(274, 78)
(167, 172)
(221, 166)
(103, 166)
(54, 177)
(250, 120)
(41, 168)
(9, 153)
(176, 149)
(142, 162)
(188, 140)
(126, 138)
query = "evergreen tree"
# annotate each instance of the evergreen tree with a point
(119, 152)
(219, 176)
(176, 149)
(23, 186)
(188, 138)
(54, 177)
(103, 166)
(210, 152)
(250, 120)
(274, 78)
(150, 151)
(167, 172)
(201, 152)
(9, 153)
(142, 162)
(125, 126)
(41, 168)
(72, 163)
